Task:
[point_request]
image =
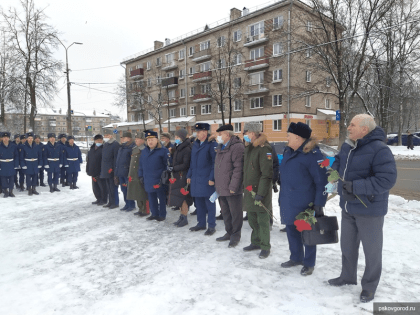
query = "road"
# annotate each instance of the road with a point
(408, 180)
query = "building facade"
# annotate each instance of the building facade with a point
(253, 67)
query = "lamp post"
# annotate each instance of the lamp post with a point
(69, 130)
(86, 127)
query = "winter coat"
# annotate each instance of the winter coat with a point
(53, 157)
(122, 163)
(202, 168)
(9, 159)
(302, 180)
(369, 164)
(410, 140)
(170, 146)
(93, 160)
(152, 164)
(135, 190)
(29, 152)
(258, 173)
(181, 158)
(228, 167)
(276, 166)
(72, 158)
(109, 157)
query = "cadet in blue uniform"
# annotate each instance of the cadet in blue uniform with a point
(73, 158)
(53, 161)
(42, 169)
(201, 177)
(16, 142)
(62, 142)
(122, 166)
(31, 162)
(21, 171)
(9, 163)
(153, 161)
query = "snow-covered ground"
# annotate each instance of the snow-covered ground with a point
(402, 153)
(61, 255)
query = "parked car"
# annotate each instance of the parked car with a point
(393, 139)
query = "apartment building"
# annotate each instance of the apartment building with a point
(241, 64)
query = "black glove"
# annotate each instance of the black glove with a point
(319, 212)
(116, 181)
(259, 198)
(170, 168)
(141, 179)
(275, 189)
(348, 186)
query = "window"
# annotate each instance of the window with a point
(132, 117)
(277, 22)
(327, 104)
(191, 51)
(309, 53)
(205, 109)
(257, 102)
(256, 29)
(219, 107)
(277, 100)
(204, 45)
(192, 111)
(191, 71)
(205, 89)
(277, 125)
(181, 54)
(277, 49)
(308, 122)
(328, 81)
(237, 36)
(159, 80)
(150, 114)
(308, 76)
(277, 75)
(308, 101)
(148, 65)
(237, 105)
(169, 58)
(182, 93)
(192, 91)
(257, 53)
(149, 82)
(204, 66)
(221, 41)
(172, 112)
(183, 111)
(309, 26)
(237, 128)
(182, 73)
(158, 61)
(256, 78)
(221, 63)
(169, 74)
(171, 94)
(236, 83)
(237, 59)
(149, 99)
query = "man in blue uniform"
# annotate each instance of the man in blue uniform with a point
(53, 161)
(16, 142)
(73, 158)
(31, 162)
(42, 169)
(9, 163)
(62, 142)
(21, 171)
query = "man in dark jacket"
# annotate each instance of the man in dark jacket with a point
(109, 157)
(201, 178)
(93, 169)
(122, 166)
(410, 141)
(165, 139)
(228, 175)
(53, 161)
(9, 163)
(302, 182)
(367, 167)
(62, 142)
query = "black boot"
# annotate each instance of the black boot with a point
(11, 194)
(219, 217)
(17, 186)
(74, 186)
(21, 187)
(179, 220)
(291, 263)
(51, 189)
(29, 191)
(34, 190)
(42, 183)
(6, 193)
(63, 184)
(251, 247)
(194, 213)
(183, 222)
(71, 186)
(55, 188)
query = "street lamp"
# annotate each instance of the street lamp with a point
(68, 85)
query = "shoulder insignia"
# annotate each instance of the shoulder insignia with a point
(169, 154)
(269, 156)
(215, 149)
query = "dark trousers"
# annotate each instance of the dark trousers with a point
(205, 207)
(21, 177)
(124, 184)
(369, 231)
(99, 189)
(63, 173)
(31, 180)
(157, 209)
(7, 182)
(231, 208)
(72, 177)
(112, 191)
(298, 251)
(53, 177)
(260, 224)
(41, 175)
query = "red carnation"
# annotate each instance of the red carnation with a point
(184, 190)
(130, 179)
(156, 186)
(302, 225)
(94, 179)
(172, 180)
(325, 163)
(110, 171)
(249, 188)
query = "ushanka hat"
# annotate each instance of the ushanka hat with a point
(62, 135)
(17, 136)
(70, 137)
(127, 134)
(5, 134)
(29, 134)
(166, 135)
(252, 127)
(300, 129)
(51, 135)
(22, 137)
(140, 135)
(201, 126)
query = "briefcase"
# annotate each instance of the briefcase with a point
(324, 231)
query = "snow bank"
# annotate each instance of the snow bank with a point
(402, 153)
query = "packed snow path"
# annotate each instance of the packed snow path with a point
(62, 255)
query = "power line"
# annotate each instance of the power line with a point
(88, 87)
(94, 83)
(96, 68)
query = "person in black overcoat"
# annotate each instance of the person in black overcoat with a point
(93, 169)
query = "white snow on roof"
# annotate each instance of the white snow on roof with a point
(326, 111)
(179, 119)
(130, 123)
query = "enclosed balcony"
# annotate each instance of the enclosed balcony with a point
(201, 98)
(202, 55)
(202, 76)
(256, 89)
(256, 64)
(253, 39)
(170, 66)
(137, 73)
(171, 82)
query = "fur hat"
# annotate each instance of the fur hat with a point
(202, 126)
(5, 134)
(17, 136)
(62, 135)
(22, 137)
(51, 135)
(252, 127)
(29, 134)
(182, 133)
(140, 135)
(127, 134)
(166, 135)
(70, 137)
(300, 129)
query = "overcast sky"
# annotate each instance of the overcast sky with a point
(111, 31)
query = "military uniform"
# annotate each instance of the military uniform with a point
(72, 159)
(31, 162)
(21, 171)
(53, 162)
(9, 163)
(16, 143)
(42, 169)
(135, 189)
(62, 142)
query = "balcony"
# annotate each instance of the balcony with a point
(169, 83)
(172, 102)
(52, 123)
(202, 55)
(76, 128)
(202, 76)
(256, 64)
(170, 66)
(258, 88)
(137, 74)
(255, 39)
(201, 98)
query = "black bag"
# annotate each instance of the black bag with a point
(164, 178)
(324, 231)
